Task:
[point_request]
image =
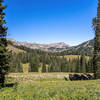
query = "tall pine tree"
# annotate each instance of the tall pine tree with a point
(96, 59)
(4, 65)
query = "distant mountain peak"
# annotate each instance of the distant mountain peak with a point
(40, 46)
(58, 47)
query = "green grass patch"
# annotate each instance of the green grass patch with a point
(51, 89)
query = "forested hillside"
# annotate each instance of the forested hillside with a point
(41, 61)
(87, 47)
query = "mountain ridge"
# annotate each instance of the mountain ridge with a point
(60, 47)
(38, 45)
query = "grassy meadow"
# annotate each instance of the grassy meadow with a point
(71, 57)
(51, 86)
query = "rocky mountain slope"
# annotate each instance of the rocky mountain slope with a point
(87, 47)
(53, 46)
(57, 47)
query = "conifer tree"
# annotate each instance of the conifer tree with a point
(4, 65)
(96, 58)
(77, 67)
(82, 60)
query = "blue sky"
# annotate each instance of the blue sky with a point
(49, 21)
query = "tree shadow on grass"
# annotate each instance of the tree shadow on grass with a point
(9, 85)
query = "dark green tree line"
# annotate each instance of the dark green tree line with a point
(49, 62)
